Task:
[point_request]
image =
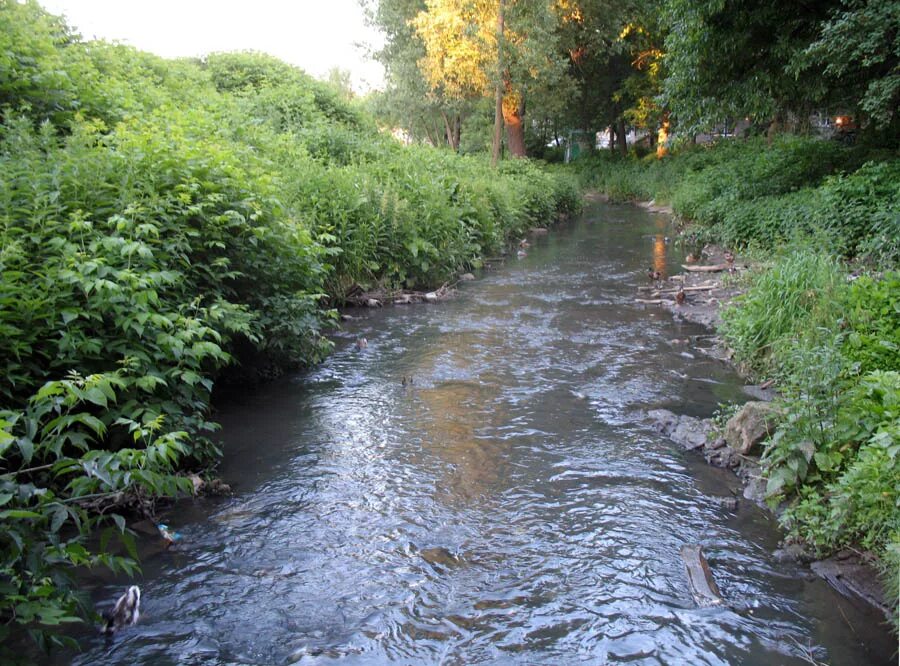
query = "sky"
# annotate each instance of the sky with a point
(315, 35)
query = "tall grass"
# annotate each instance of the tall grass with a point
(786, 303)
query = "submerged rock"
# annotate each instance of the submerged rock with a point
(466, 277)
(440, 556)
(792, 552)
(727, 503)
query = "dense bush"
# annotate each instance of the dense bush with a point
(751, 193)
(159, 218)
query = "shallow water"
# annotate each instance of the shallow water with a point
(511, 505)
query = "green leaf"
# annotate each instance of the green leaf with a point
(119, 521)
(19, 513)
(59, 517)
(26, 449)
(823, 461)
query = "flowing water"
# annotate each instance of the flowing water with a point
(510, 505)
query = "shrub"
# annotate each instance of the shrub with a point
(158, 217)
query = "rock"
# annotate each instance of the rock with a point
(431, 297)
(663, 420)
(197, 482)
(727, 503)
(753, 423)
(687, 431)
(466, 277)
(792, 552)
(441, 557)
(755, 490)
(403, 299)
(373, 303)
(759, 393)
(719, 455)
(346, 317)
(218, 487)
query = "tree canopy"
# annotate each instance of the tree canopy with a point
(691, 64)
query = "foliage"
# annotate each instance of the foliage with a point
(859, 51)
(791, 300)
(162, 221)
(833, 344)
(871, 322)
(752, 193)
(728, 59)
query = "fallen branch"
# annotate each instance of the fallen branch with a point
(685, 289)
(716, 268)
(700, 579)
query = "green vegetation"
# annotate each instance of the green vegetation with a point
(835, 347)
(162, 221)
(830, 338)
(753, 193)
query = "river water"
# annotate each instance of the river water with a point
(510, 505)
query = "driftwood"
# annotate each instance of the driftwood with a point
(716, 268)
(703, 585)
(675, 291)
(652, 301)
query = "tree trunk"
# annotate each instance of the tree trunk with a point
(498, 92)
(513, 116)
(612, 138)
(457, 132)
(451, 131)
(623, 139)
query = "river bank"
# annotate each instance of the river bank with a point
(698, 294)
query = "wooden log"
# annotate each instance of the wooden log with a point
(703, 585)
(716, 268)
(685, 290)
(652, 301)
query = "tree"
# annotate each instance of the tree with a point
(599, 62)
(498, 48)
(858, 48)
(340, 80)
(733, 58)
(408, 101)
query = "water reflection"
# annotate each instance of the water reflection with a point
(659, 254)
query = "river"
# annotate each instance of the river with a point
(509, 505)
